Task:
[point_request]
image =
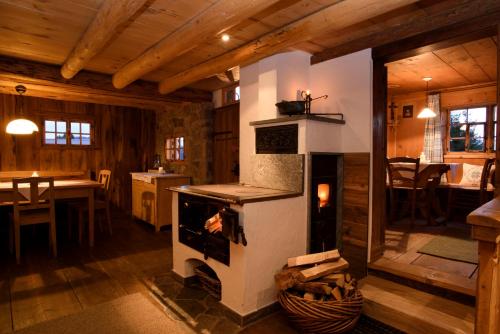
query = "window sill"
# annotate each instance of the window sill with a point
(469, 155)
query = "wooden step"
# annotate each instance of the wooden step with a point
(432, 277)
(414, 311)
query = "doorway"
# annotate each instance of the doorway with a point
(226, 144)
(464, 75)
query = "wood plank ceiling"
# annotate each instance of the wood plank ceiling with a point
(47, 31)
(472, 63)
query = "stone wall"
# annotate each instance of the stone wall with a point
(194, 122)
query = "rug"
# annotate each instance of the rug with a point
(452, 248)
(132, 314)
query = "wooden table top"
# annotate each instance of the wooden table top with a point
(59, 184)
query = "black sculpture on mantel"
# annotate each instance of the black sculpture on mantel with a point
(292, 108)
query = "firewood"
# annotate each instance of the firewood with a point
(332, 278)
(323, 270)
(347, 277)
(287, 278)
(337, 294)
(315, 258)
(341, 281)
(309, 296)
(314, 287)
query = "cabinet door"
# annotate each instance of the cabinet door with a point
(144, 201)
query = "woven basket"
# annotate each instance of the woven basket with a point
(313, 316)
(208, 280)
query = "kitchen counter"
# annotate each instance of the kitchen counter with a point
(236, 193)
(148, 177)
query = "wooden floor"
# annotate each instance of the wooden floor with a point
(401, 255)
(43, 288)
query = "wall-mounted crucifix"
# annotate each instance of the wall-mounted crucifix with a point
(392, 106)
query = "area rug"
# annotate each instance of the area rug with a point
(452, 248)
(132, 314)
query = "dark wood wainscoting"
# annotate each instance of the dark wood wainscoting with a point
(355, 211)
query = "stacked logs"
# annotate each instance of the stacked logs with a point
(319, 276)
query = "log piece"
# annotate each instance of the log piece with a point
(337, 294)
(315, 258)
(287, 278)
(323, 270)
(314, 287)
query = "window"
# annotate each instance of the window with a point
(58, 132)
(174, 149)
(80, 133)
(471, 129)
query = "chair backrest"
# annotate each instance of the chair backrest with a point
(403, 171)
(34, 198)
(104, 178)
(485, 178)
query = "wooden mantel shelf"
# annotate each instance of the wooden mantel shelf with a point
(295, 118)
(485, 222)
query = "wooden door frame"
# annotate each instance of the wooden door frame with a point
(434, 40)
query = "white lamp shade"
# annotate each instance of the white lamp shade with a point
(426, 113)
(21, 126)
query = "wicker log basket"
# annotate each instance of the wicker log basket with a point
(313, 316)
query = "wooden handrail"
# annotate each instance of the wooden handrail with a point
(485, 222)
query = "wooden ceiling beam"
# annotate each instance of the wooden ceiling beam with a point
(218, 18)
(408, 26)
(332, 18)
(44, 80)
(111, 18)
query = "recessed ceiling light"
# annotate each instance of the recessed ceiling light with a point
(225, 37)
(427, 78)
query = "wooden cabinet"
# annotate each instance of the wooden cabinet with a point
(152, 201)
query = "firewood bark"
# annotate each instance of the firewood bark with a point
(314, 287)
(287, 278)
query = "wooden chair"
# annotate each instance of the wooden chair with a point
(403, 175)
(102, 203)
(461, 196)
(36, 208)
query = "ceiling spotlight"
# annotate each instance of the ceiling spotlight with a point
(225, 37)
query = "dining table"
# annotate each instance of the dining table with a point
(63, 189)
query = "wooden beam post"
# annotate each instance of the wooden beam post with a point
(333, 18)
(218, 18)
(110, 19)
(378, 160)
(497, 162)
(44, 80)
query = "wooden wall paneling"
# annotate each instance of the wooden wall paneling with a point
(355, 211)
(124, 141)
(8, 148)
(226, 143)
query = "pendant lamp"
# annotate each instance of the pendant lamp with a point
(427, 112)
(21, 126)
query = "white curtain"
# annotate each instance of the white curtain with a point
(433, 143)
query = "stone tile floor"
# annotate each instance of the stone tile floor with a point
(204, 314)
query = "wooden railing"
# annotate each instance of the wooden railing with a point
(485, 223)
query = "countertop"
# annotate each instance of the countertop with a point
(148, 177)
(236, 193)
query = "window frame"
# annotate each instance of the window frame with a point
(175, 149)
(488, 133)
(68, 133)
